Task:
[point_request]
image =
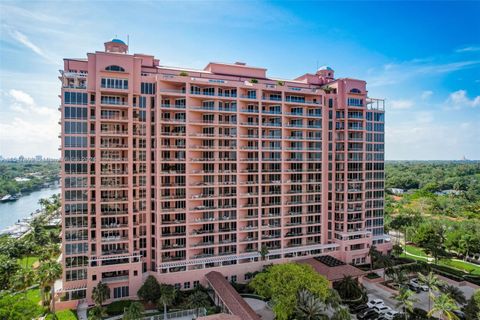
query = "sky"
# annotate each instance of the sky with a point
(422, 57)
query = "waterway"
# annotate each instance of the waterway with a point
(12, 211)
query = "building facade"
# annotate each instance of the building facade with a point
(175, 172)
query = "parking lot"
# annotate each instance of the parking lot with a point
(377, 291)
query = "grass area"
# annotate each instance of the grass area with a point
(66, 315)
(34, 295)
(27, 261)
(459, 265)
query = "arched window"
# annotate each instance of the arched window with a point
(115, 68)
(355, 90)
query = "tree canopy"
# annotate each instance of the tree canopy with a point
(282, 282)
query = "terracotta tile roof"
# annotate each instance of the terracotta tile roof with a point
(333, 273)
(220, 316)
(231, 299)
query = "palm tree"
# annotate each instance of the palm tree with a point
(263, 252)
(48, 272)
(444, 305)
(373, 253)
(333, 299)
(405, 298)
(349, 288)
(385, 261)
(134, 311)
(168, 295)
(432, 282)
(97, 313)
(50, 252)
(198, 299)
(342, 314)
(399, 277)
(309, 307)
(100, 293)
(455, 293)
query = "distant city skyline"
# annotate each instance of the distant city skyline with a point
(428, 73)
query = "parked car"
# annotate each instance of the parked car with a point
(368, 314)
(390, 315)
(416, 282)
(415, 288)
(375, 302)
(459, 314)
(360, 308)
(382, 309)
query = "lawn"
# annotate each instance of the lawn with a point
(65, 315)
(459, 265)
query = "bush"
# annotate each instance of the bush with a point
(253, 81)
(183, 74)
(150, 290)
(118, 307)
(372, 275)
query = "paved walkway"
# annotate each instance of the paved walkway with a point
(260, 307)
(82, 311)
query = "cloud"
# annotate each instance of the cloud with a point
(459, 99)
(21, 97)
(426, 94)
(401, 104)
(24, 40)
(423, 138)
(468, 49)
(394, 73)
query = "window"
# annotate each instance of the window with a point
(147, 88)
(355, 102)
(196, 284)
(75, 113)
(120, 292)
(74, 98)
(186, 285)
(355, 90)
(114, 83)
(115, 68)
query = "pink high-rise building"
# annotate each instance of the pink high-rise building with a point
(175, 172)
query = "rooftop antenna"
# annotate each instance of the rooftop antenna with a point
(128, 42)
(317, 65)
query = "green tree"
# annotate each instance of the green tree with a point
(48, 272)
(8, 266)
(22, 279)
(198, 299)
(397, 250)
(472, 308)
(281, 282)
(134, 311)
(373, 253)
(18, 307)
(406, 299)
(455, 293)
(309, 307)
(150, 290)
(100, 293)
(433, 284)
(444, 305)
(263, 252)
(168, 294)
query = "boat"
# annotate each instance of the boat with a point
(8, 197)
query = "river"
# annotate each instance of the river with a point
(11, 212)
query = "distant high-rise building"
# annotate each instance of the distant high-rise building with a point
(174, 172)
(38, 158)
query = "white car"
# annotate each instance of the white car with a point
(375, 303)
(382, 309)
(417, 283)
(390, 314)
